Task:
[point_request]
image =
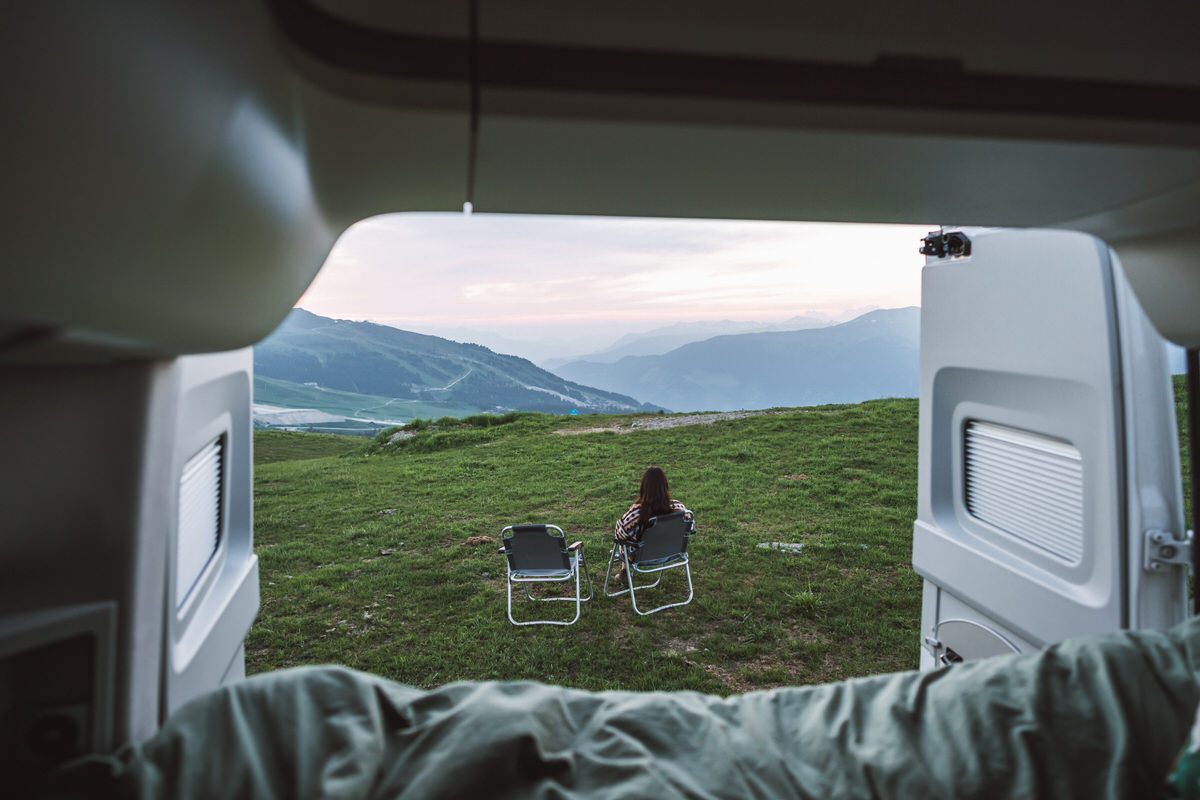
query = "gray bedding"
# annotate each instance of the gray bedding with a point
(1097, 717)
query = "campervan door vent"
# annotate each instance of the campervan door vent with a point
(199, 532)
(1027, 485)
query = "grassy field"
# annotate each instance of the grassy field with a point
(366, 559)
(1185, 465)
(272, 446)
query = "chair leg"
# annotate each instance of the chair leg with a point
(582, 564)
(508, 580)
(578, 599)
(687, 568)
(614, 559)
(587, 576)
(611, 559)
(629, 580)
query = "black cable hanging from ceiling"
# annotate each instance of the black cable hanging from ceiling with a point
(473, 134)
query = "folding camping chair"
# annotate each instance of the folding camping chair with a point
(539, 554)
(662, 546)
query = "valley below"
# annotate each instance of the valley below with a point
(324, 375)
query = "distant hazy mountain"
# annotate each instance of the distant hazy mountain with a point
(385, 362)
(497, 342)
(664, 340)
(875, 355)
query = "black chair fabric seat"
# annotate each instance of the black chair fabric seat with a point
(677, 558)
(542, 573)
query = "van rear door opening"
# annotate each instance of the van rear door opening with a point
(1048, 449)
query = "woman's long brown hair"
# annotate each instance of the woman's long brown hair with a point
(654, 497)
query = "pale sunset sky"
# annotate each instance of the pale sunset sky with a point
(583, 282)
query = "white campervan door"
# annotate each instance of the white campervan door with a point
(212, 583)
(1049, 490)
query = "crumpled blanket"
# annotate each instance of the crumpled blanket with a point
(1102, 716)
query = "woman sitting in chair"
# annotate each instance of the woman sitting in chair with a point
(654, 498)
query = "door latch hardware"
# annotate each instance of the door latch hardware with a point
(939, 245)
(941, 653)
(1163, 550)
(950, 657)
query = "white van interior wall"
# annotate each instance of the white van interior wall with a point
(1154, 493)
(85, 486)
(91, 483)
(1164, 269)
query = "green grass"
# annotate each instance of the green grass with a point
(365, 559)
(1181, 405)
(272, 446)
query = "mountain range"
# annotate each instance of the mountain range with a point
(665, 339)
(874, 355)
(310, 357)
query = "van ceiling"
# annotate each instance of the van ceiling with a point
(1152, 43)
(180, 175)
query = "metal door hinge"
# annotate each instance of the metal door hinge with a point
(941, 653)
(1162, 550)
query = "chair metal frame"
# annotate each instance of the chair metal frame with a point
(574, 556)
(620, 553)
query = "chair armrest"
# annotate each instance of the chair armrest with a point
(575, 545)
(502, 550)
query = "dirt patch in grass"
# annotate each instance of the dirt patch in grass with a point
(664, 422)
(675, 647)
(800, 633)
(729, 678)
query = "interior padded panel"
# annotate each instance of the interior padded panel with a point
(215, 184)
(446, 18)
(634, 165)
(1101, 44)
(1098, 717)
(1163, 271)
(86, 490)
(534, 547)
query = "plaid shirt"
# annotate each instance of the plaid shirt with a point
(627, 526)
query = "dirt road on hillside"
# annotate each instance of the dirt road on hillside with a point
(664, 422)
